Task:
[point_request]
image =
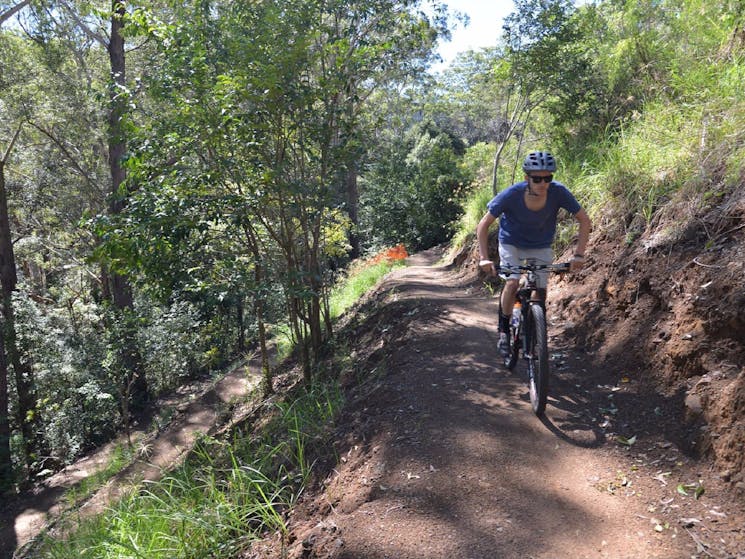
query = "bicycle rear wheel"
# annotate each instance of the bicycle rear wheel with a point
(538, 359)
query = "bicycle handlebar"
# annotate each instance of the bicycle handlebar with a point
(557, 268)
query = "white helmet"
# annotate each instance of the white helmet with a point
(539, 161)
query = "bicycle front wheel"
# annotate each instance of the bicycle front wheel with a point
(538, 359)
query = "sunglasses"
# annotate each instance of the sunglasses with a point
(538, 180)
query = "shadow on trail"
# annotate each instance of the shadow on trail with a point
(567, 416)
(456, 453)
(567, 435)
(8, 540)
(18, 509)
(460, 457)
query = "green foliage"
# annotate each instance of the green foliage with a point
(224, 497)
(173, 341)
(77, 400)
(412, 190)
(360, 279)
(466, 99)
(474, 208)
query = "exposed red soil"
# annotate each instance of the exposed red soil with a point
(438, 454)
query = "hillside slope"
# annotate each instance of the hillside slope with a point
(438, 455)
(667, 309)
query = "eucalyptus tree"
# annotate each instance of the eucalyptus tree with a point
(60, 174)
(101, 29)
(7, 268)
(15, 77)
(532, 66)
(258, 141)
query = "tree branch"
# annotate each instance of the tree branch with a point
(84, 28)
(10, 12)
(12, 143)
(67, 154)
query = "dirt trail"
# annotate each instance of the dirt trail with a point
(441, 456)
(438, 455)
(198, 409)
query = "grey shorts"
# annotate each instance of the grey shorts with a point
(514, 256)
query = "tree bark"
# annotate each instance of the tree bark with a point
(353, 199)
(26, 415)
(121, 292)
(6, 461)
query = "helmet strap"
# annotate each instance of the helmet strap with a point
(530, 190)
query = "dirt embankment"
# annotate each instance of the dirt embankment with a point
(640, 453)
(668, 308)
(439, 456)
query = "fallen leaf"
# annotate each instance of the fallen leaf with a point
(625, 441)
(661, 477)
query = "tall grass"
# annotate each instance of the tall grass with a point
(362, 276)
(225, 496)
(473, 210)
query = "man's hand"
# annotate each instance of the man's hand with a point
(576, 263)
(488, 267)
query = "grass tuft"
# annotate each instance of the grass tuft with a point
(225, 496)
(362, 276)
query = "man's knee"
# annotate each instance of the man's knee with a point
(540, 294)
(511, 285)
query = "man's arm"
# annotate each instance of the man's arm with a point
(482, 235)
(585, 226)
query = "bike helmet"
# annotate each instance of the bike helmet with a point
(539, 161)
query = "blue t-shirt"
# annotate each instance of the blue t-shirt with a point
(524, 228)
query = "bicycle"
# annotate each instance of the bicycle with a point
(528, 330)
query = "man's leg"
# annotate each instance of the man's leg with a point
(506, 303)
(508, 256)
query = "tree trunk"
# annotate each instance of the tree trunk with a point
(353, 199)
(6, 461)
(26, 415)
(259, 311)
(121, 292)
(241, 326)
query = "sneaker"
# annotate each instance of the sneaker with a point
(504, 344)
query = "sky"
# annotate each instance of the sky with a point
(483, 30)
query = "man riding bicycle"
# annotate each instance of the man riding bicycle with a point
(527, 213)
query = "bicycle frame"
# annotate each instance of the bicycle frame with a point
(530, 334)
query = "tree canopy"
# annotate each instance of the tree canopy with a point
(183, 180)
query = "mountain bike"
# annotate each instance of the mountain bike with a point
(528, 333)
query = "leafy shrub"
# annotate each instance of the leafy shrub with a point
(171, 343)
